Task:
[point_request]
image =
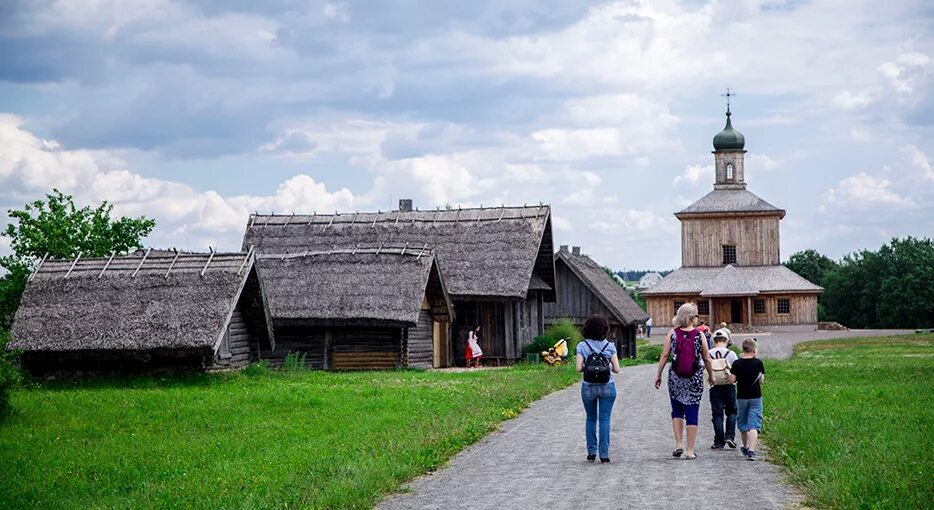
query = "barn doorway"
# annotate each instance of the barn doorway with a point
(736, 311)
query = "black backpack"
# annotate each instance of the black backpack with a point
(596, 366)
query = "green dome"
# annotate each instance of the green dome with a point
(729, 138)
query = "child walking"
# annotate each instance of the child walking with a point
(750, 375)
(723, 394)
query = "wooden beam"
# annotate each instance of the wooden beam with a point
(208, 263)
(38, 267)
(422, 252)
(141, 262)
(112, 254)
(73, 264)
(245, 260)
(177, 253)
(404, 248)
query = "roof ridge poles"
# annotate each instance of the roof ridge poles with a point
(330, 222)
(356, 246)
(208, 263)
(397, 218)
(177, 253)
(502, 212)
(289, 220)
(73, 264)
(332, 249)
(36, 270)
(148, 250)
(253, 219)
(245, 259)
(286, 254)
(111, 259)
(379, 249)
(312, 219)
(376, 217)
(404, 248)
(422, 252)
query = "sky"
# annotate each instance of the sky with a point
(197, 113)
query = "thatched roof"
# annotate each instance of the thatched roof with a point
(722, 201)
(608, 291)
(354, 286)
(133, 302)
(490, 252)
(732, 281)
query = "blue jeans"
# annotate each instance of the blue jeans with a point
(749, 414)
(598, 404)
(723, 404)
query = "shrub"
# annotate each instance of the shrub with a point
(564, 328)
(295, 361)
(257, 368)
(539, 344)
(649, 352)
(9, 374)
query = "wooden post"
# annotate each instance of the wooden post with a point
(749, 310)
(38, 267)
(710, 311)
(404, 248)
(112, 254)
(328, 339)
(177, 253)
(242, 264)
(148, 250)
(208, 263)
(73, 264)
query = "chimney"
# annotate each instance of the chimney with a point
(564, 248)
(405, 205)
(576, 250)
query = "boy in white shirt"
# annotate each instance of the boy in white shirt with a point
(723, 397)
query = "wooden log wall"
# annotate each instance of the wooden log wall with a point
(756, 239)
(239, 340)
(575, 300)
(420, 344)
(366, 348)
(802, 310)
(308, 340)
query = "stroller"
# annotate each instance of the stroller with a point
(557, 354)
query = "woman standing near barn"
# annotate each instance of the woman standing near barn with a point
(686, 348)
(473, 348)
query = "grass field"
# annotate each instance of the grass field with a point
(852, 420)
(268, 440)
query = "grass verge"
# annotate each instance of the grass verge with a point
(239, 440)
(851, 421)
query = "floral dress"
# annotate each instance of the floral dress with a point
(687, 390)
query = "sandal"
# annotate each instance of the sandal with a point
(690, 458)
(677, 453)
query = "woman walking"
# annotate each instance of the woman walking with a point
(596, 357)
(473, 348)
(686, 348)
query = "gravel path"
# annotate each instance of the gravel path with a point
(537, 461)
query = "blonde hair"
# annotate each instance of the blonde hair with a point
(750, 345)
(686, 314)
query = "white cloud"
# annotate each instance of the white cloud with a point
(919, 160)
(846, 100)
(692, 174)
(865, 192)
(907, 71)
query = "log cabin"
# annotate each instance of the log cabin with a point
(730, 255)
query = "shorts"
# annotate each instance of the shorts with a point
(749, 414)
(687, 412)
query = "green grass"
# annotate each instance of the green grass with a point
(852, 421)
(268, 440)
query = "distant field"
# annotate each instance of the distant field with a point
(270, 440)
(852, 421)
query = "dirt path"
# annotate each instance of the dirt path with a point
(537, 461)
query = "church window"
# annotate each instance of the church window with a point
(729, 171)
(758, 306)
(784, 305)
(729, 254)
(703, 308)
(678, 304)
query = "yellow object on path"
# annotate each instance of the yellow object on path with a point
(557, 354)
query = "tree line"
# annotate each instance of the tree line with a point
(892, 287)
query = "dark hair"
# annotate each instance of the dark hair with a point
(596, 327)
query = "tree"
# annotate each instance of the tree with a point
(60, 229)
(811, 265)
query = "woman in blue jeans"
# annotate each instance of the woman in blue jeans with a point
(598, 398)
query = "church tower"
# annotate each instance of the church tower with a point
(728, 155)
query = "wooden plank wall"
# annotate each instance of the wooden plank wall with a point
(803, 310)
(366, 348)
(526, 323)
(756, 239)
(309, 340)
(491, 315)
(575, 300)
(239, 338)
(420, 345)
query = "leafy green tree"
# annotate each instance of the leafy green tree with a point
(811, 265)
(891, 287)
(57, 227)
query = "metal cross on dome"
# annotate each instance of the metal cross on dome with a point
(728, 95)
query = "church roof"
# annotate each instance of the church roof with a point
(729, 138)
(732, 281)
(730, 200)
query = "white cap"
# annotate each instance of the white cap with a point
(721, 333)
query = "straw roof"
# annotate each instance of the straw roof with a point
(378, 286)
(133, 302)
(608, 291)
(720, 201)
(732, 281)
(490, 252)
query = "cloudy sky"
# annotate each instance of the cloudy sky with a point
(198, 112)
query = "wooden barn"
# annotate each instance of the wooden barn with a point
(358, 307)
(731, 266)
(497, 263)
(585, 289)
(140, 311)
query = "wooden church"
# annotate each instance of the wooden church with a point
(730, 255)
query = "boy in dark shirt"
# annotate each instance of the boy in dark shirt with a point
(750, 374)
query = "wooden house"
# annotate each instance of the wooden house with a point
(585, 289)
(140, 311)
(730, 255)
(497, 262)
(357, 307)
